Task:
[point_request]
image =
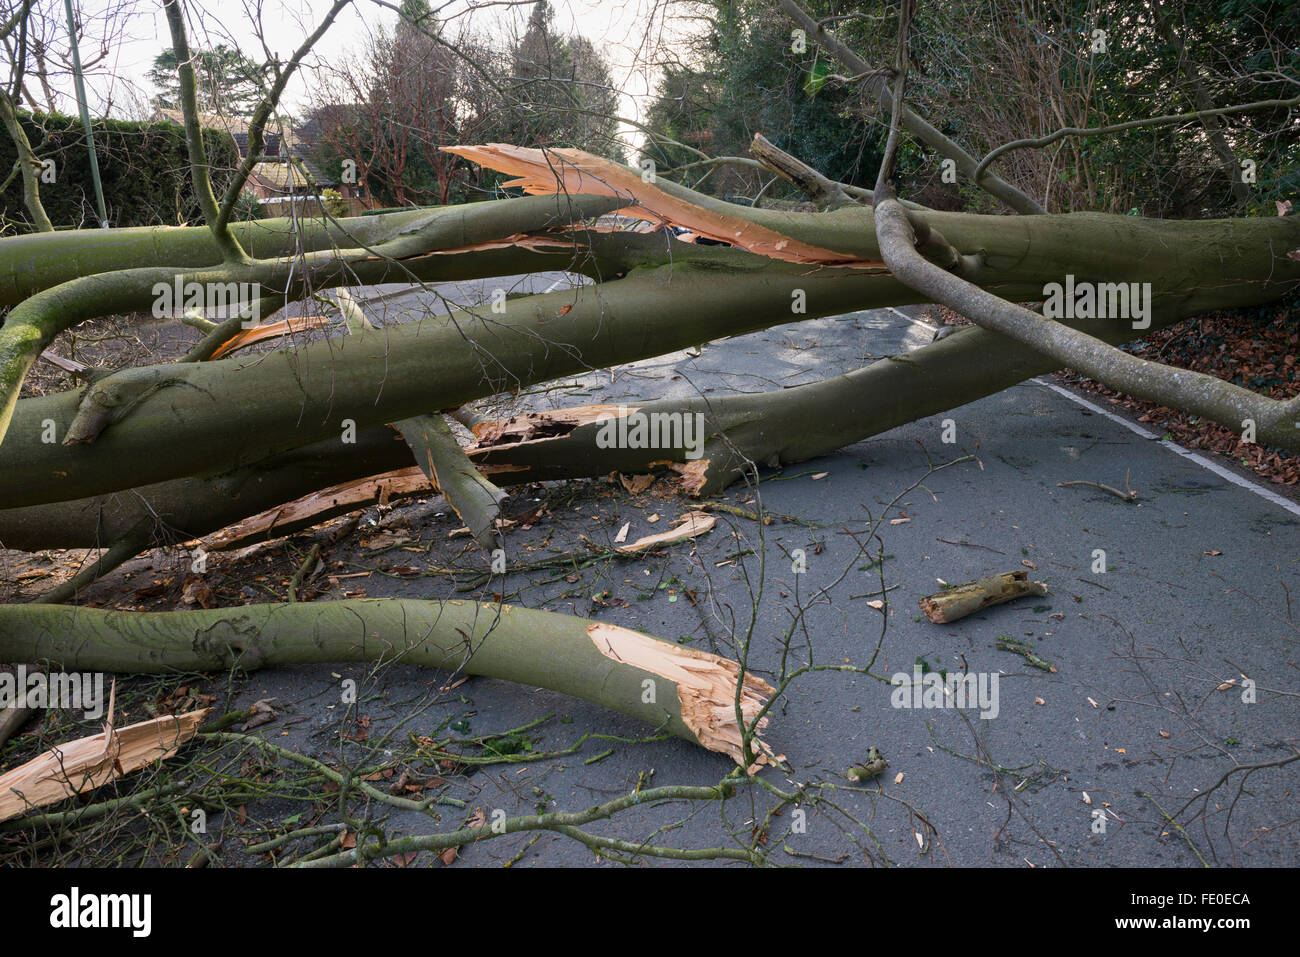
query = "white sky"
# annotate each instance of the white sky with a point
(617, 27)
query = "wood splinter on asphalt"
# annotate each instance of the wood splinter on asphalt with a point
(962, 600)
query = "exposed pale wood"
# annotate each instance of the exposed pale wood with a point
(542, 172)
(88, 763)
(270, 330)
(706, 688)
(688, 526)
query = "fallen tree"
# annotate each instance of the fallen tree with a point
(295, 397)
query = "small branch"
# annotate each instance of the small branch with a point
(231, 251)
(1129, 496)
(1015, 646)
(822, 190)
(28, 163)
(444, 463)
(562, 822)
(884, 177)
(308, 566)
(962, 600)
(257, 127)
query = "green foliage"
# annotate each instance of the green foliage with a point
(748, 79)
(144, 168)
(334, 203)
(248, 207)
(986, 72)
(991, 71)
(226, 81)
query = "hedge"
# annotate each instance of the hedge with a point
(144, 168)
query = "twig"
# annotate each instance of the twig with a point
(1128, 496)
(310, 562)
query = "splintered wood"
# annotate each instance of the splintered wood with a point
(688, 526)
(270, 330)
(963, 600)
(706, 689)
(89, 763)
(543, 172)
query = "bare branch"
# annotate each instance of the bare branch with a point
(1166, 120)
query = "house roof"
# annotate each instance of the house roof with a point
(299, 144)
(279, 176)
(236, 126)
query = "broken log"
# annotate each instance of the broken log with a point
(962, 600)
(691, 694)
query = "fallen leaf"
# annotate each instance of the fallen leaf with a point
(259, 714)
(636, 484)
(1165, 734)
(622, 533)
(898, 778)
(819, 476)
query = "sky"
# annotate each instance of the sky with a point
(617, 27)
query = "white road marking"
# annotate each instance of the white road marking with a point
(1177, 449)
(1202, 461)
